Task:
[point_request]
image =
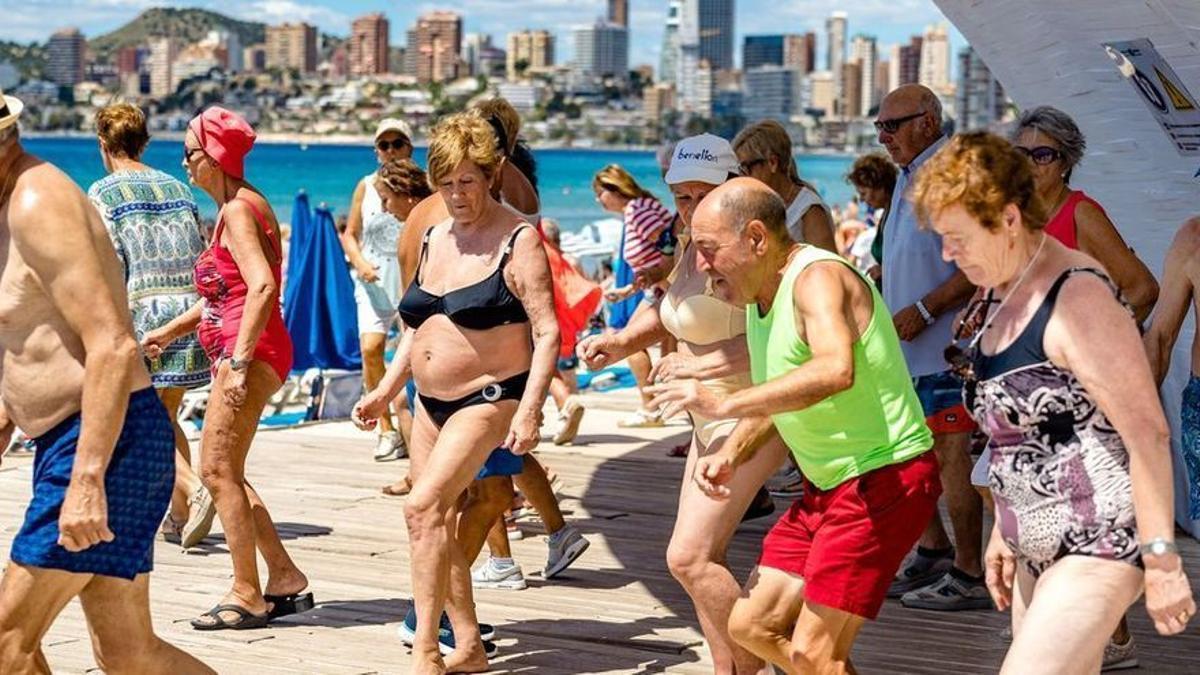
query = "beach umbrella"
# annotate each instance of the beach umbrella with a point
(318, 304)
(620, 312)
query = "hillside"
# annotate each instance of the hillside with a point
(29, 60)
(189, 25)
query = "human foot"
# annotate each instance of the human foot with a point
(467, 660)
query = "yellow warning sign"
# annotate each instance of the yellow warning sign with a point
(1179, 99)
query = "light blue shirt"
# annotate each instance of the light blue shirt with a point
(912, 268)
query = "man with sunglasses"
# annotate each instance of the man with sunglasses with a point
(925, 291)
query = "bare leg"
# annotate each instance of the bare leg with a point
(639, 363)
(965, 505)
(123, 639)
(497, 540)
(30, 599)
(186, 480)
(696, 554)
(559, 390)
(373, 345)
(283, 577)
(533, 483)
(486, 501)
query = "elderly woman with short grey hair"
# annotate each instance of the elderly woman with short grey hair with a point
(1055, 145)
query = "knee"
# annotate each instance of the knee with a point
(219, 477)
(126, 656)
(423, 513)
(746, 627)
(687, 561)
(372, 349)
(17, 646)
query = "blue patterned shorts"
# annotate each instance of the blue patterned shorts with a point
(138, 487)
(1191, 444)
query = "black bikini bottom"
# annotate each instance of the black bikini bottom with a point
(511, 389)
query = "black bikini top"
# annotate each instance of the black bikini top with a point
(482, 305)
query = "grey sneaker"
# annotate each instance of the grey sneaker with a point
(949, 594)
(500, 577)
(1119, 656)
(566, 546)
(920, 571)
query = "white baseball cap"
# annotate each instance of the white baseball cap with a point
(10, 110)
(394, 124)
(705, 158)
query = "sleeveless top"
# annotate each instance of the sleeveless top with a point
(372, 203)
(219, 281)
(380, 233)
(1059, 471)
(805, 200)
(1062, 226)
(875, 423)
(485, 304)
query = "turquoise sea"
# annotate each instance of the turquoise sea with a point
(329, 173)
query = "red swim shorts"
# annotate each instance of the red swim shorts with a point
(848, 542)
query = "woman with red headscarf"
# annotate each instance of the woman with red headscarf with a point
(241, 328)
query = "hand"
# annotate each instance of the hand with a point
(909, 323)
(675, 366)
(875, 272)
(155, 342)
(599, 351)
(83, 520)
(678, 395)
(368, 410)
(1169, 598)
(619, 294)
(713, 473)
(1001, 566)
(367, 272)
(966, 331)
(524, 433)
(233, 388)
(647, 278)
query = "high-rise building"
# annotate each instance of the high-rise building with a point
(254, 58)
(473, 46)
(197, 60)
(668, 60)
(657, 99)
(65, 52)
(129, 60)
(490, 61)
(223, 46)
(820, 92)
(762, 50)
(163, 52)
(716, 26)
(909, 62)
(369, 45)
(688, 62)
(935, 58)
(800, 52)
(865, 52)
(434, 45)
(292, 46)
(771, 93)
(601, 51)
(851, 103)
(835, 46)
(883, 71)
(532, 48)
(618, 12)
(981, 101)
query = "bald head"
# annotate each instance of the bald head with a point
(740, 231)
(910, 120)
(740, 201)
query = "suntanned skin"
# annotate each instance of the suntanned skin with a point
(68, 345)
(1181, 277)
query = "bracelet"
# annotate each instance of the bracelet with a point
(925, 313)
(1158, 546)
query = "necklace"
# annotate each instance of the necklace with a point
(1011, 291)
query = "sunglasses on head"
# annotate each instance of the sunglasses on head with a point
(893, 125)
(959, 358)
(398, 144)
(1041, 155)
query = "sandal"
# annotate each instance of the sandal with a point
(172, 530)
(287, 605)
(680, 450)
(246, 619)
(399, 488)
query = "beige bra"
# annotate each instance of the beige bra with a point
(691, 312)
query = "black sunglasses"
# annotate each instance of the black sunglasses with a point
(188, 152)
(960, 359)
(398, 144)
(1041, 155)
(893, 125)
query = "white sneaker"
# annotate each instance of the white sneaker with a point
(568, 421)
(387, 446)
(642, 419)
(491, 575)
(565, 546)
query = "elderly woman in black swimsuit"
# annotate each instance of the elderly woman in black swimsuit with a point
(481, 344)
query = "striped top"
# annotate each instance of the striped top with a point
(155, 228)
(645, 220)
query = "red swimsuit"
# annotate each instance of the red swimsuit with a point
(220, 283)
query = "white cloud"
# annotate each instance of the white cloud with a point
(280, 11)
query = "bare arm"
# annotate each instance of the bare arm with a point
(518, 191)
(423, 216)
(530, 271)
(1099, 238)
(354, 228)
(1175, 301)
(817, 226)
(243, 237)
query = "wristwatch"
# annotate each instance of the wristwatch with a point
(925, 313)
(235, 364)
(1158, 546)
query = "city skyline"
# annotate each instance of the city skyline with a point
(890, 21)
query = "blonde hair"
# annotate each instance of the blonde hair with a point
(766, 138)
(617, 179)
(122, 129)
(505, 115)
(983, 173)
(462, 138)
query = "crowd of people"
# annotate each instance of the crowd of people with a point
(979, 303)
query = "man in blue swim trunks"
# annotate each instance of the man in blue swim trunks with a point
(74, 381)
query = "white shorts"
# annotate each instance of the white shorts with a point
(374, 316)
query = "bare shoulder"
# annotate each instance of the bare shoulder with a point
(824, 274)
(427, 213)
(1187, 238)
(43, 196)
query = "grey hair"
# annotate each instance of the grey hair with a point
(766, 206)
(1059, 126)
(933, 105)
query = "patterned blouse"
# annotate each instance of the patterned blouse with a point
(155, 227)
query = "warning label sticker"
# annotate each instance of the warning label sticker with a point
(1164, 92)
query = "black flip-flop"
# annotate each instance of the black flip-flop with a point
(246, 619)
(286, 605)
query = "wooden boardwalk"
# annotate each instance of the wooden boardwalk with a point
(616, 611)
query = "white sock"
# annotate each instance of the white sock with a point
(501, 563)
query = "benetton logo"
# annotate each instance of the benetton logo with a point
(702, 154)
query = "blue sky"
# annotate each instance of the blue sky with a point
(892, 21)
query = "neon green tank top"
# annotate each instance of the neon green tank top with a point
(875, 423)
